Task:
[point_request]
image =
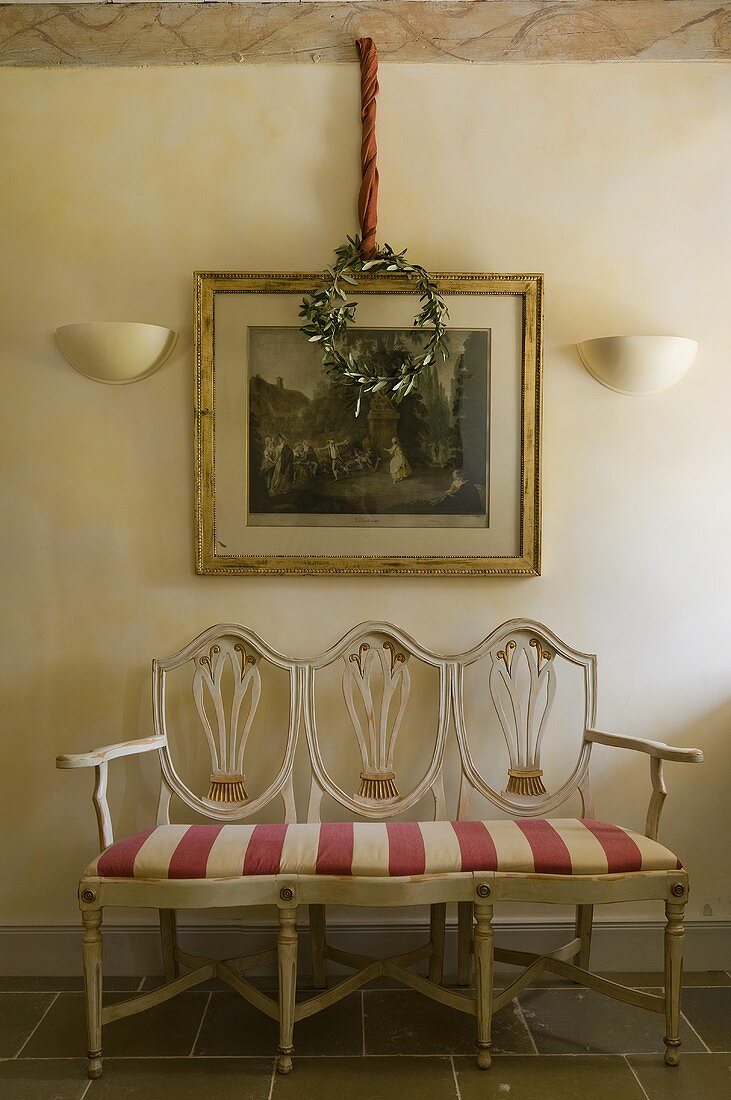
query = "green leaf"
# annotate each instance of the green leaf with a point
(327, 313)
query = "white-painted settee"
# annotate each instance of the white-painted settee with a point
(507, 684)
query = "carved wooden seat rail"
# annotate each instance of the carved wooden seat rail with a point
(405, 711)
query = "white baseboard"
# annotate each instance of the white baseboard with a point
(134, 949)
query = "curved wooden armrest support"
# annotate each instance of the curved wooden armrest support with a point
(99, 760)
(94, 757)
(658, 753)
(657, 749)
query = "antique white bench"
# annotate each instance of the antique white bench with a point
(379, 672)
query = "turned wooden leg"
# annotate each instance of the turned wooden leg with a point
(92, 919)
(584, 923)
(169, 938)
(287, 964)
(674, 934)
(317, 946)
(483, 981)
(437, 929)
(464, 942)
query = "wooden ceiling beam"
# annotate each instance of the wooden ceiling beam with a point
(469, 31)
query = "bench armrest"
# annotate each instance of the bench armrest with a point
(99, 760)
(94, 757)
(657, 749)
(658, 753)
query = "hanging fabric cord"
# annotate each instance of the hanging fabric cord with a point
(368, 195)
(327, 311)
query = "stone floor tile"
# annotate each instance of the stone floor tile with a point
(268, 983)
(587, 1077)
(698, 1077)
(19, 1014)
(407, 1039)
(709, 1011)
(234, 1027)
(405, 1022)
(384, 982)
(64, 984)
(636, 979)
(43, 1079)
(184, 1079)
(367, 1079)
(212, 985)
(580, 1021)
(644, 979)
(168, 1030)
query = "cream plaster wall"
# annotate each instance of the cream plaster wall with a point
(115, 185)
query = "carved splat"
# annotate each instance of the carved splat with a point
(376, 676)
(523, 714)
(373, 663)
(227, 664)
(226, 722)
(523, 660)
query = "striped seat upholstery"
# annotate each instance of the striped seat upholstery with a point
(554, 847)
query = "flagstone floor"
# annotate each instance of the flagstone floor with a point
(555, 1041)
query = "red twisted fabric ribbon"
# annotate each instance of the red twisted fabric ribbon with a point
(368, 195)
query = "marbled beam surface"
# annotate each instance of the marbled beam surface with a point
(470, 31)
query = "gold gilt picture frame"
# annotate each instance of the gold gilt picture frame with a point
(289, 481)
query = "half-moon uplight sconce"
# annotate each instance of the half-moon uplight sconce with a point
(115, 351)
(638, 364)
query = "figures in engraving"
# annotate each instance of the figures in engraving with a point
(306, 463)
(281, 479)
(312, 462)
(332, 451)
(268, 462)
(461, 496)
(399, 464)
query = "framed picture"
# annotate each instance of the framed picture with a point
(289, 481)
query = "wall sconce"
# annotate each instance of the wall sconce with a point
(638, 364)
(115, 352)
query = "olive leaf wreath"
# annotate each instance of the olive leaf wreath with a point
(328, 313)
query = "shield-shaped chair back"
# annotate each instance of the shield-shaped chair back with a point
(232, 678)
(522, 665)
(387, 698)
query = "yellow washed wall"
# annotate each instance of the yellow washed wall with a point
(116, 185)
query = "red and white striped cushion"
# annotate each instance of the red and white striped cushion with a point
(555, 847)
